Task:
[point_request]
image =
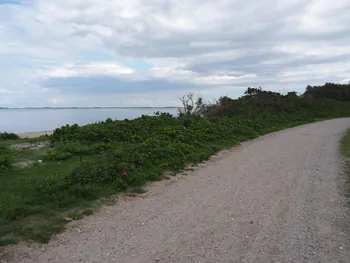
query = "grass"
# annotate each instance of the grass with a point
(28, 214)
(345, 150)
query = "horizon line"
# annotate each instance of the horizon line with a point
(114, 107)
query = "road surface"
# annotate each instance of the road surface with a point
(279, 198)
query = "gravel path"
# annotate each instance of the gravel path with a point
(278, 198)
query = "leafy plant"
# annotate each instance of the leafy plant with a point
(8, 136)
(5, 162)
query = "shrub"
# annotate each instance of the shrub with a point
(50, 185)
(8, 136)
(86, 173)
(57, 156)
(5, 162)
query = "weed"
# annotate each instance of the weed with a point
(138, 190)
(345, 150)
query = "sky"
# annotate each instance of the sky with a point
(150, 52)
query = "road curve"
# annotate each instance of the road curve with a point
(278, 198)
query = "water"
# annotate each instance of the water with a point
(30, 120)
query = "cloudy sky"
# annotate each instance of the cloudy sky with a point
(150, 52)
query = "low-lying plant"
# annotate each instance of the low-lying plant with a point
(8, 136)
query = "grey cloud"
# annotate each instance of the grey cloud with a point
(107, 85)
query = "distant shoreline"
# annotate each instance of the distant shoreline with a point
(34, 134)
(36, 122)
(83, 108)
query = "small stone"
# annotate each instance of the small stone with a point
(157, 259)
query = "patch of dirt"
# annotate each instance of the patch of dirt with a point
(24, 164)
(30, 145)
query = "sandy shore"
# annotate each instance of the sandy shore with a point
(34, 134)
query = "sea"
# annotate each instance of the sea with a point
(48, 119)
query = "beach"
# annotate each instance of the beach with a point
(34, 134)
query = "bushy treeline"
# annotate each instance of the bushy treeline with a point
(340, 92)
(316, 102)
(8, 136)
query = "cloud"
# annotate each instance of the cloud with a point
(91, 69)
(84, 51)
(4, 91)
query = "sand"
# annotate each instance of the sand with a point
(34, 134)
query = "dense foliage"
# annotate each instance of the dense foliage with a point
(257, 101)
(5, 162)
(339, 92)
(88, 162)
(5, 159)
(8, 136)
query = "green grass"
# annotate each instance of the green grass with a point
(29, 214)
(345, 150)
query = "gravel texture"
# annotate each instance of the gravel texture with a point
(279, 198)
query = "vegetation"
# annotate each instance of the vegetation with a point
(339, 92)
(190, 106)
(42, 188)
(8, 136)
(345, 150)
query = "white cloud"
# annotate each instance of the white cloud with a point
(92, 69)
(55, 101)
(325, 16)
(336, 70)
(322, 50)
(223, 79)
(4, 91)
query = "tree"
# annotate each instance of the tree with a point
(251, 92)
(225, 100)
(190, 106)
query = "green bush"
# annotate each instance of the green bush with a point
(50, 185)
(58, 156)
(5, 162)
(8, 136)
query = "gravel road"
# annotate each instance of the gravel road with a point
(279, 198)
